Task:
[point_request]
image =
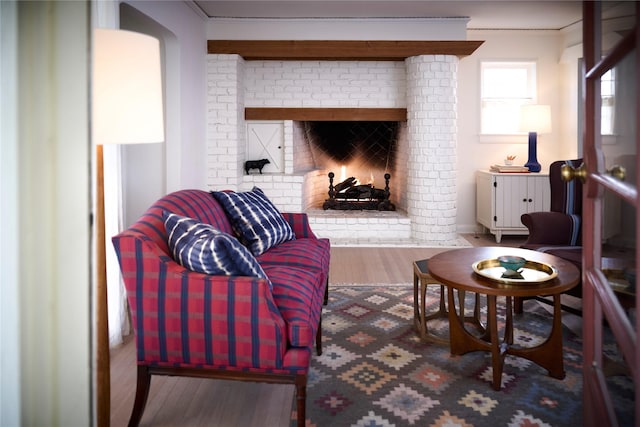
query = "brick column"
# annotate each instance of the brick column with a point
(226, 130)
(432, 138)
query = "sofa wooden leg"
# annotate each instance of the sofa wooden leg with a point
(301, 398)
(319, 338)
(142, 392)
(326, 292)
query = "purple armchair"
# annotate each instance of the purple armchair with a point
(559, 231)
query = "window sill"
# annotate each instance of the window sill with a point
(504, 139)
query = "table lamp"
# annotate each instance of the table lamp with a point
(534, 119)
(126, 108)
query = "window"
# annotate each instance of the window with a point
(608, 94)
(505, 86)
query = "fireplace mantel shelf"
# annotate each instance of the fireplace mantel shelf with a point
(340, 50)
(326, 114)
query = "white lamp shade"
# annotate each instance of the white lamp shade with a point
(535, 118)
(127, 88)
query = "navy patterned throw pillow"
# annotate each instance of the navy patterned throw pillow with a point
(202, 248)
(255, 218)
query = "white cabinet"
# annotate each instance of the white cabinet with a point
(501, 198)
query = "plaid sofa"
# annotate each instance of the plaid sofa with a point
(229, 327)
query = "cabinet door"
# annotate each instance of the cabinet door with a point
(512, 200)
(539, 194)
(265, 140)
(484, 199)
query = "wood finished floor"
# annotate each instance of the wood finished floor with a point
(176, 401)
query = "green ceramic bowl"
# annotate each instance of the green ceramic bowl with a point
(511, 262)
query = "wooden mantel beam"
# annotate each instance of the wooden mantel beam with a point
(340, 50)
(326, 114)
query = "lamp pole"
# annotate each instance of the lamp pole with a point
(127, 108)
(103, 367)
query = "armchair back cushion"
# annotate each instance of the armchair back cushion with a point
(562, 225)
(566, 197)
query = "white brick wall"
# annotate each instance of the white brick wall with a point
(278, 188)
(432, 136)
(325, 84)
(226, 133)
(425, 85)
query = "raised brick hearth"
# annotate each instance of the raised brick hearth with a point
(424, 185)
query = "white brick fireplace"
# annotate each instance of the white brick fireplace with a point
(425, 191)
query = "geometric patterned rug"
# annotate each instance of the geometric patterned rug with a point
(375, 371)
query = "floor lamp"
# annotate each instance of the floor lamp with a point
(126, 109)
(534, 119)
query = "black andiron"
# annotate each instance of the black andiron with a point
(348, 195)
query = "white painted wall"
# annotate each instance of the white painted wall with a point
(476, 152)
(153, 171)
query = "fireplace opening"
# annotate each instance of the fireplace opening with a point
(351, 195)
(358, 144)
(358, 153)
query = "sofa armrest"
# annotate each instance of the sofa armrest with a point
(551, 228)
(184, 318)
(299, 222)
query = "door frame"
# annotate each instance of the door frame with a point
(599, 301)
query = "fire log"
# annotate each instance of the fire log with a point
(347, 183)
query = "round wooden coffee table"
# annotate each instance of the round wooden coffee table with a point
(454, 269)
(421, 280)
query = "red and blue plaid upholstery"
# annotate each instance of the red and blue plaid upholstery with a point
(299, 294)
(186, 319)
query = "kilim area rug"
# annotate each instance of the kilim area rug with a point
(375, 371)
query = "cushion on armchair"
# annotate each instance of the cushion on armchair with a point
(201, 248)
(256, 220)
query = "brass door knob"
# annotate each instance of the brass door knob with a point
(568, 173)
(618, 172)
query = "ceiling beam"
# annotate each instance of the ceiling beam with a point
(339, 50)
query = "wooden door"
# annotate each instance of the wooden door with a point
(609, 321)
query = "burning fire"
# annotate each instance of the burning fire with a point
(343, 176)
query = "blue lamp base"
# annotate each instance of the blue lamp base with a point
(532, 164)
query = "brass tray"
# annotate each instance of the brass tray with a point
(533, 272)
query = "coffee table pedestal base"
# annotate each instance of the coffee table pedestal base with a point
(547, 355)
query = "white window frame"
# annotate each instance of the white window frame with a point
(505, 105)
